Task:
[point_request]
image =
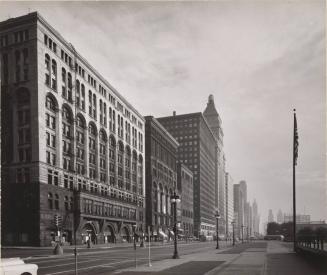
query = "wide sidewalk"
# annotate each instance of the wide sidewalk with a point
(257, 258)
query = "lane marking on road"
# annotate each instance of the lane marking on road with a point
(78, 262)
(90, 267)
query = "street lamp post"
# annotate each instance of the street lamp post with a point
(233, 224)
(217, 216)
(174, 199)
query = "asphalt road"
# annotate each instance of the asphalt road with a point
(104, 261)
(254, 258)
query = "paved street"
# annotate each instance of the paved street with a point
(260, 257)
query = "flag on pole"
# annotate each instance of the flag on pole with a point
(296, 140)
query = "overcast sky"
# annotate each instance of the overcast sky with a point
(259, 60)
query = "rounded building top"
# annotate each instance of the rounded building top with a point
(211, 98)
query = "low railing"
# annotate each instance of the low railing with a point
(314, 242)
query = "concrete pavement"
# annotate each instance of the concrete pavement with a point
(257, 258)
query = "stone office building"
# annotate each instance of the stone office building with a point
(160, 178)
(215, 123)
(71, 144)
(185, 188)
(197, 151)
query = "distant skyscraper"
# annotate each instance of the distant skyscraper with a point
(271, 216)
(280, 217)
(212, 117)
(229, 204)
(198, 151)
(247, 220)
(255, 219)
(240, 196)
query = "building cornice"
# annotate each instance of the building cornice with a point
(38, 17)
(163, 130)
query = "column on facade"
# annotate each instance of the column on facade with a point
(97, 154)
(59, 137)
(87, 150)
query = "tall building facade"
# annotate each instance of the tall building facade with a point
(161, 177)
(197, 151)
(185, 188)
(255, 219)
(247, 220)
(72, 146)
(215, 123)
(240, 199)
(229, 204)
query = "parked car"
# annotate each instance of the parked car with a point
(16, 266)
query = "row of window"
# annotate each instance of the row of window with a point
(53, 179)
(24, 126)
(50, 44)
(91, 80)
(107, 209)
(187, 213)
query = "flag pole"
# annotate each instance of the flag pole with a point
(295, 144)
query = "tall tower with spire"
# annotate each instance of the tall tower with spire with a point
(213, 119)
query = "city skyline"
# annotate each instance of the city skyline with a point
(158, 69)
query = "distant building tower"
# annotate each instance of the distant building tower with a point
(229, 204)
(161, 176)
(212, 117)
(280, 216)
(194, 134)
(270, 216)
(240, 196)
(256, 218)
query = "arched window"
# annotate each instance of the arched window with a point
(103, 137)
(66, 203)
(94, 106)
(67, 114)
(50, 200)
(101, 112)
(121, 146)
(105, 114)
(47, 69)
(83, 97)
(64, 82)
(92, 130)
(112, 141)
(50, 104)
(69, 86)
(90, 103)
(80, 122)
(54, 75)
(78, 93)
(56, 202)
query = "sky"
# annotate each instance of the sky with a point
(259, 59)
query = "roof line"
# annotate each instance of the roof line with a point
(86, 63)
